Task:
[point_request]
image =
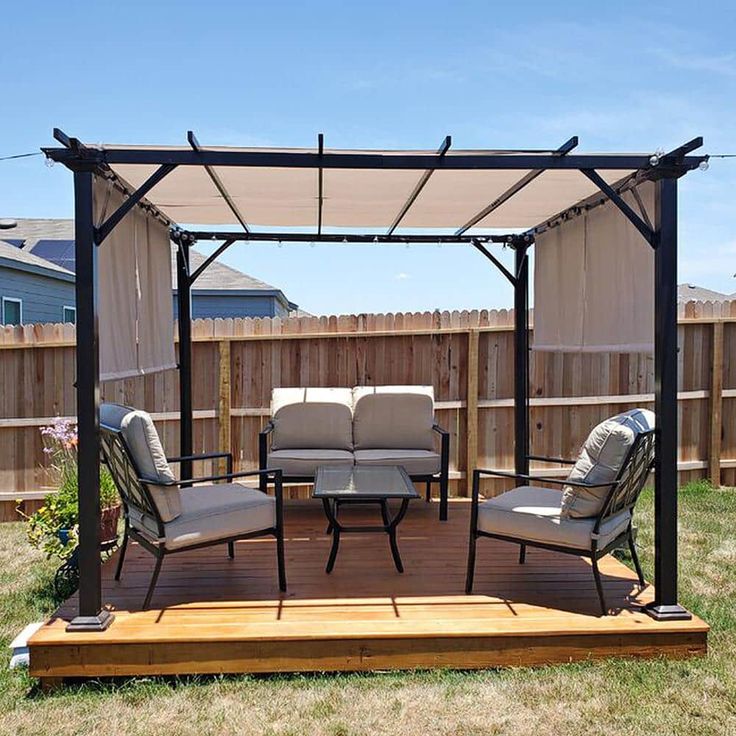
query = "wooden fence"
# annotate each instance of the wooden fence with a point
(467, 356)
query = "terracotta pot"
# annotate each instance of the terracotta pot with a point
(109, 524)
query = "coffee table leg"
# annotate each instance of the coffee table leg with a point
(334, 526)
(391, 525)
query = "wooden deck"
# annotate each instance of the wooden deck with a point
(215, 615)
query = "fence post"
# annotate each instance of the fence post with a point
(716, 405)
(471, 411)
(224, 402)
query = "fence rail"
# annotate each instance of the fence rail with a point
(467, 356)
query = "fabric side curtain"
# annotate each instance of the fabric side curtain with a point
(594, 282)
(135, 305)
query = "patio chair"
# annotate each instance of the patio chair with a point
(592, 515)
(165, 515)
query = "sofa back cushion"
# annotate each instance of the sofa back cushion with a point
(601, 459)
(312, 418)
(148, 454)
(393, 417)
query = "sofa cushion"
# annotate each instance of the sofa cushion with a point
(213, 512)
(600, 461)
(393, 417)
(145, 446)
(415, 462)
(305, 462)
(534, 514)
(313, 418)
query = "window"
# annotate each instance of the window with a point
(69, 314)
(12, 311)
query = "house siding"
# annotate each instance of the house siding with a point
(210, 306)
(43, 297)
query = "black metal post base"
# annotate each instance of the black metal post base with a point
(667, 613)
(91, 623)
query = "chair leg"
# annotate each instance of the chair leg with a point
(522, 554)
(443, 497)
(231, 550)
(471, 563)
(121, 556)
(599, 586)
(635, 558)
(154, 579)
(280, 560)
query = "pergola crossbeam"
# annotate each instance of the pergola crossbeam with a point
(194, 143)
(441, 151)
(525, 180)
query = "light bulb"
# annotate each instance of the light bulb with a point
(49, 162)
(704, 166)
(654, 160)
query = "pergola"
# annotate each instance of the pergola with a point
(391, 197)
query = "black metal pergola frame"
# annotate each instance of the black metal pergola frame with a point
(664, 169)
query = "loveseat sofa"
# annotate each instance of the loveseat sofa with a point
(365, 425)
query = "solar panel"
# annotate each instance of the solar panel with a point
(60, 252)
(13, 242)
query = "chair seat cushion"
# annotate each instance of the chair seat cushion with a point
(415, 462)
(305, 462)
(533, 513)
(213, 512)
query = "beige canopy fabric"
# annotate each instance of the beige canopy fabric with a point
(593, 282)
(135, 308)
(284, 197)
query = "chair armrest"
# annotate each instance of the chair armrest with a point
(543, 479)
(228, 476)
(439, 430)
(560, 460)
(267, 429)
(203, 456)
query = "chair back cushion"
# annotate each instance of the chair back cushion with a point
(393, 417)
(147, 453)
(600, 461)
(312, 418)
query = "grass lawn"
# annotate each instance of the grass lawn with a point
(696, 696)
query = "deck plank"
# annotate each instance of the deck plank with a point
(212, 614)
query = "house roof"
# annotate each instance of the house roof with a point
(692, 292)
(12, 256)
(216, 278)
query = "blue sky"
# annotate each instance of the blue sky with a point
(622, 76)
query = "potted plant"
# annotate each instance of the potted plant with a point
(53, 528)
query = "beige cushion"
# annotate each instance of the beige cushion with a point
(393, 417)
(534, 514)
(213, 512)
(600, 461)
(305, 462)
(415, 462)
(314, 418)
(145, 446)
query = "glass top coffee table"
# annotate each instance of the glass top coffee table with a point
(363, 484)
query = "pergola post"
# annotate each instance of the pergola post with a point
(665, 605)
(521, 358)
(92, 617)
(184, 302)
